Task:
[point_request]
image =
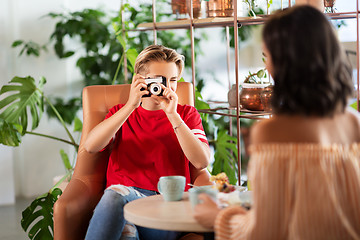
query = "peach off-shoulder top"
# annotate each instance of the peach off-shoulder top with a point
(300, 191)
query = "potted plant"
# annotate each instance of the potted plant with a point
(20, 96)
(255, 92)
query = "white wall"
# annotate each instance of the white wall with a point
(7, 188)
(31, 167)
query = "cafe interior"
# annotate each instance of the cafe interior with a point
(65, 63)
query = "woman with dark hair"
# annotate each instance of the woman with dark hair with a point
(305, 160)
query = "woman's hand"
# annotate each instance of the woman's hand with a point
(168, 102)
(136, 93)
(205, 213)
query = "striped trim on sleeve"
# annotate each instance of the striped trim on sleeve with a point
(200, 134)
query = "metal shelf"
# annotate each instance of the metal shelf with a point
(221, 22)
(244, 113)
(200, 23)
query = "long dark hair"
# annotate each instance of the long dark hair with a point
(310, 70)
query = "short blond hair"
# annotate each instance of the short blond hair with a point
(158, 53)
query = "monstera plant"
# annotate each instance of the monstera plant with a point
(23, 97)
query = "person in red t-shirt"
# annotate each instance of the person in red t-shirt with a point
(151, 136)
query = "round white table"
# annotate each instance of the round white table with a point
(154, 212)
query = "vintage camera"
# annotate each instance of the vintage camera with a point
(154, 86)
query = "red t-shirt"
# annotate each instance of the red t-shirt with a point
(146, 147)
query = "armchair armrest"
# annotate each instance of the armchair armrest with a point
(74, 208)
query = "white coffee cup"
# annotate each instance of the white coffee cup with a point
(172, 187)
(195, 191)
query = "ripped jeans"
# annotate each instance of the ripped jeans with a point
(108, 220)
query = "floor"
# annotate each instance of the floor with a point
(10, 217)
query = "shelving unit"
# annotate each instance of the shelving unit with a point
(235, 22)
(221, 22)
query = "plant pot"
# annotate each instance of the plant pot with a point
(182, 8)
(232, 96)
(266, 98)
(255, 97)
(219, 8)
(329, 3)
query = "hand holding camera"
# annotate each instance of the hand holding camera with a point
(153, 86)
(163, 94)
(136, 92)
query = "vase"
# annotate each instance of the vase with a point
(219, 8)
(329, 3)
(232, 100)
(254, 96)
(182, 8)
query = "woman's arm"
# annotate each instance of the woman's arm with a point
(100, 136)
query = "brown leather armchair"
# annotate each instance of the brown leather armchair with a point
(74, 208)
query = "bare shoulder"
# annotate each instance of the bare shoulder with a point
(353, 123)
(284, 129)
(353, 115)
(266, 131)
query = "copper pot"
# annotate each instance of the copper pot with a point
(255, 97)
(182, 7)
(329, 3)
(219, 8)
(266, 98)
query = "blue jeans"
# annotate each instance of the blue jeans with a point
(108, 220)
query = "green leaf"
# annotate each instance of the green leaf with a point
(131, 55)
(201, 104)
(226, 156)
(260, 73)
(231, 172)
(10, 133)
(17, 43)
(121, 40)
(67, 110)
(354, 105)
(77, 125)
(65, 159)
(22, 95)
(68, 54)
(37, 219)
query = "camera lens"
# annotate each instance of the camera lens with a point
(155, 89)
